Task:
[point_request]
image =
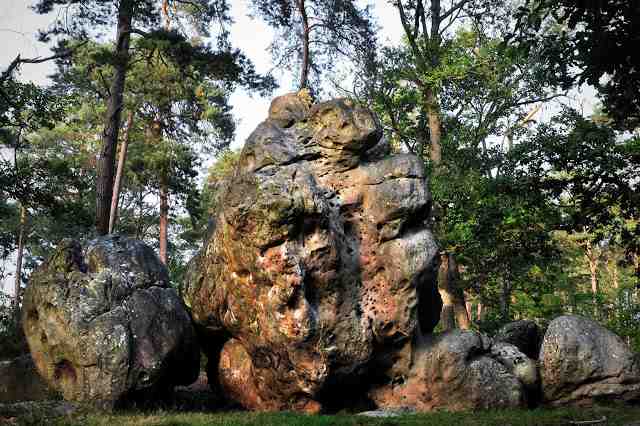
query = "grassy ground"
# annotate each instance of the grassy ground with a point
(622, 416)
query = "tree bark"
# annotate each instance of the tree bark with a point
(505, 299)
(432, 110)
(592, 260)
(118, 182)
(454, 309)
(164, 218)
(21, 240)
(106, 160)
(304, 72)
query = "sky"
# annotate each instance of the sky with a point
(19, 25)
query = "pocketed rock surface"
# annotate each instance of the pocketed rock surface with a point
(320, 272)
(104, 326)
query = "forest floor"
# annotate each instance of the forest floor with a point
(606, 415)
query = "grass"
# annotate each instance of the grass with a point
(616, 415)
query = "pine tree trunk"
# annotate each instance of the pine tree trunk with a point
(117, 185)
(304, 72)
(432, 110)
(164, 218)
(21, 240)
(106, 160)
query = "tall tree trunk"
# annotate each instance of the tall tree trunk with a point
(592, 260)
(454, 309)
(118, 182)
(164, 218)
(106, 160)
(304, 72)
(432, 110)
(505, 299)
(21, 240)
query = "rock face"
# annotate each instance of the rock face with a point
(19, 381)
(582, 362)
(523, 334)
(320, 266)
(458, 370)
(105, 326)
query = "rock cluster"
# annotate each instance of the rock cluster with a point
(316, 287)
(104, 326)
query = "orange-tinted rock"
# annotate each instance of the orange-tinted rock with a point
(318, 261)
(456, 370)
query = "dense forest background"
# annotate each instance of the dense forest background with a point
(537, 216)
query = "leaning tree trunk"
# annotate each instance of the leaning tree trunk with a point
(118, 182)
(21, 240)
(304, 72)
(106, 161)
(454, 309)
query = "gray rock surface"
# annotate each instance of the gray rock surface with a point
(583, 362)
(104, 326)
(456, 370)
(520, 365)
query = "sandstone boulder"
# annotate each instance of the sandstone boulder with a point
(104, 326)
(320, 267)
(457, 370)
(523, 334)
(19, 381)
(582, 362)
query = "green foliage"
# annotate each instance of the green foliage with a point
(339, 31)
(585, 41)
(11, 336)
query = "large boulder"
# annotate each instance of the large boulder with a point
(105, 327)
(19, 381)
(582, 362)
(459, 370)
(320, 266)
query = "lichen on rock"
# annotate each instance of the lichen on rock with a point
(105, 327)
(318, 258)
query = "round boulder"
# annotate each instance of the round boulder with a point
(582, 362)
(105, 327)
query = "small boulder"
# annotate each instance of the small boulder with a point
(582, 362)
(19, 381)
(518, 364)
(105, 327)
(454, 371)
(523, 334)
